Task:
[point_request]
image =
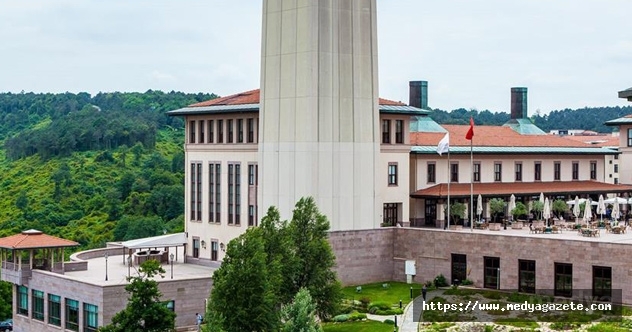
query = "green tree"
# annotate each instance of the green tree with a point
(519, 210)
(300, 316)
(457, 211)
(496, 207)
(22, 202)
(5, 300)
(144, 310)
(559, 207)
(315, 258)
(242, 298)
(537, 207)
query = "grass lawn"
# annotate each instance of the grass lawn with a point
(362, 326)
(377, 293)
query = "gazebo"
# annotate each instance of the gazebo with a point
(31, 250)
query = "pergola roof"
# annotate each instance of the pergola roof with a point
(34, 239)
(169, 240)
(500, 189)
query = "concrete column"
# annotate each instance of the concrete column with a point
(319, 132)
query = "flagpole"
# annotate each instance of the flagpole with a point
(471, 185)
(449, 180)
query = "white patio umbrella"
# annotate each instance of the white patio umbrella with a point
(587, 212)
(479, 206)
(512, 203)
(615, 212)
(618, 200)
(577, 200)
(601, 207)
(546, 211)
(576, 208)
(542, 201)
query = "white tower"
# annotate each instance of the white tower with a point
(319, 132)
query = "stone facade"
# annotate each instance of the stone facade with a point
(380, 254)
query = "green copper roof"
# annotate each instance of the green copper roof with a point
(524, 127)
(620, 121)
(426, 125)
(514, 150)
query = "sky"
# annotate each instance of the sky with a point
(568, 53)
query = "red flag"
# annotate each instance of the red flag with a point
(470, 132)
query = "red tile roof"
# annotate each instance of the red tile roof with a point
(492, 136)
(595, 140)
(499, 189)
(253, 97)
(33, 239)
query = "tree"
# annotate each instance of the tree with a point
(300, 316)
(457, 211)
(316, 260)
(537, 208)
(22, 202)
(518, 211)
(559, 207)
(242, 298)
(496, 207)
(144, 310)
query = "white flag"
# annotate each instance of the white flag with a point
(444, 144)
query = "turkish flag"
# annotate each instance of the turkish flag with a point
(470, 132)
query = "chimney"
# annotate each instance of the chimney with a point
(418, 94)
(519, 103)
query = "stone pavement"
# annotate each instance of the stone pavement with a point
(413, 311)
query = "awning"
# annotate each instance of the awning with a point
(169, 240)
(502, 189)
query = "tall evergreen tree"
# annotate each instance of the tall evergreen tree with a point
(300, 315)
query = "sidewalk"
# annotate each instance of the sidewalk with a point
(413, 311)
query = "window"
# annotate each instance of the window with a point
(476, 176)
(498, 171)
(240, 130)
(616, 168)
(602, 283)
(54, 310)
(220, 131)
(23, 301)
(38, 304)
(593, 170)
(616, 157)
(251, 215)
(399, 131)
(229, 124)
(575, 170)
(563, 279)
(557, 171)
(526, 276)
(171, 305)
(211, 193)
(392, 174)
(214, 247)
(72, 315)
(491, 277)
(454, 172)
(629, 136)
(518, 171)
(211, 131)
(90, 317)
(616, 180)
(196, 191)
(191, 131)
(390, 214)
(238, 194)
(251, 175)
(459, 267)
(218, 192)
(432, 173)
(196, 247)
(202, 126)
(386, 131)
(537, 169)
(234, 193)
(251, 130)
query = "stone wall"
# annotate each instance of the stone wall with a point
(363, 256)
(432, 249)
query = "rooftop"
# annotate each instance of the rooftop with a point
(627, 94)
(34, 239)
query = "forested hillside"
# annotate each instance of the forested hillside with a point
(92, 168)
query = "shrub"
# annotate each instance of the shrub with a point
(364, 302)
(380, 305)
(440, 281)
(341, 318)
(389, 322)
(389, 312)
(357, 316)
(467, 282)
(345, 309)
